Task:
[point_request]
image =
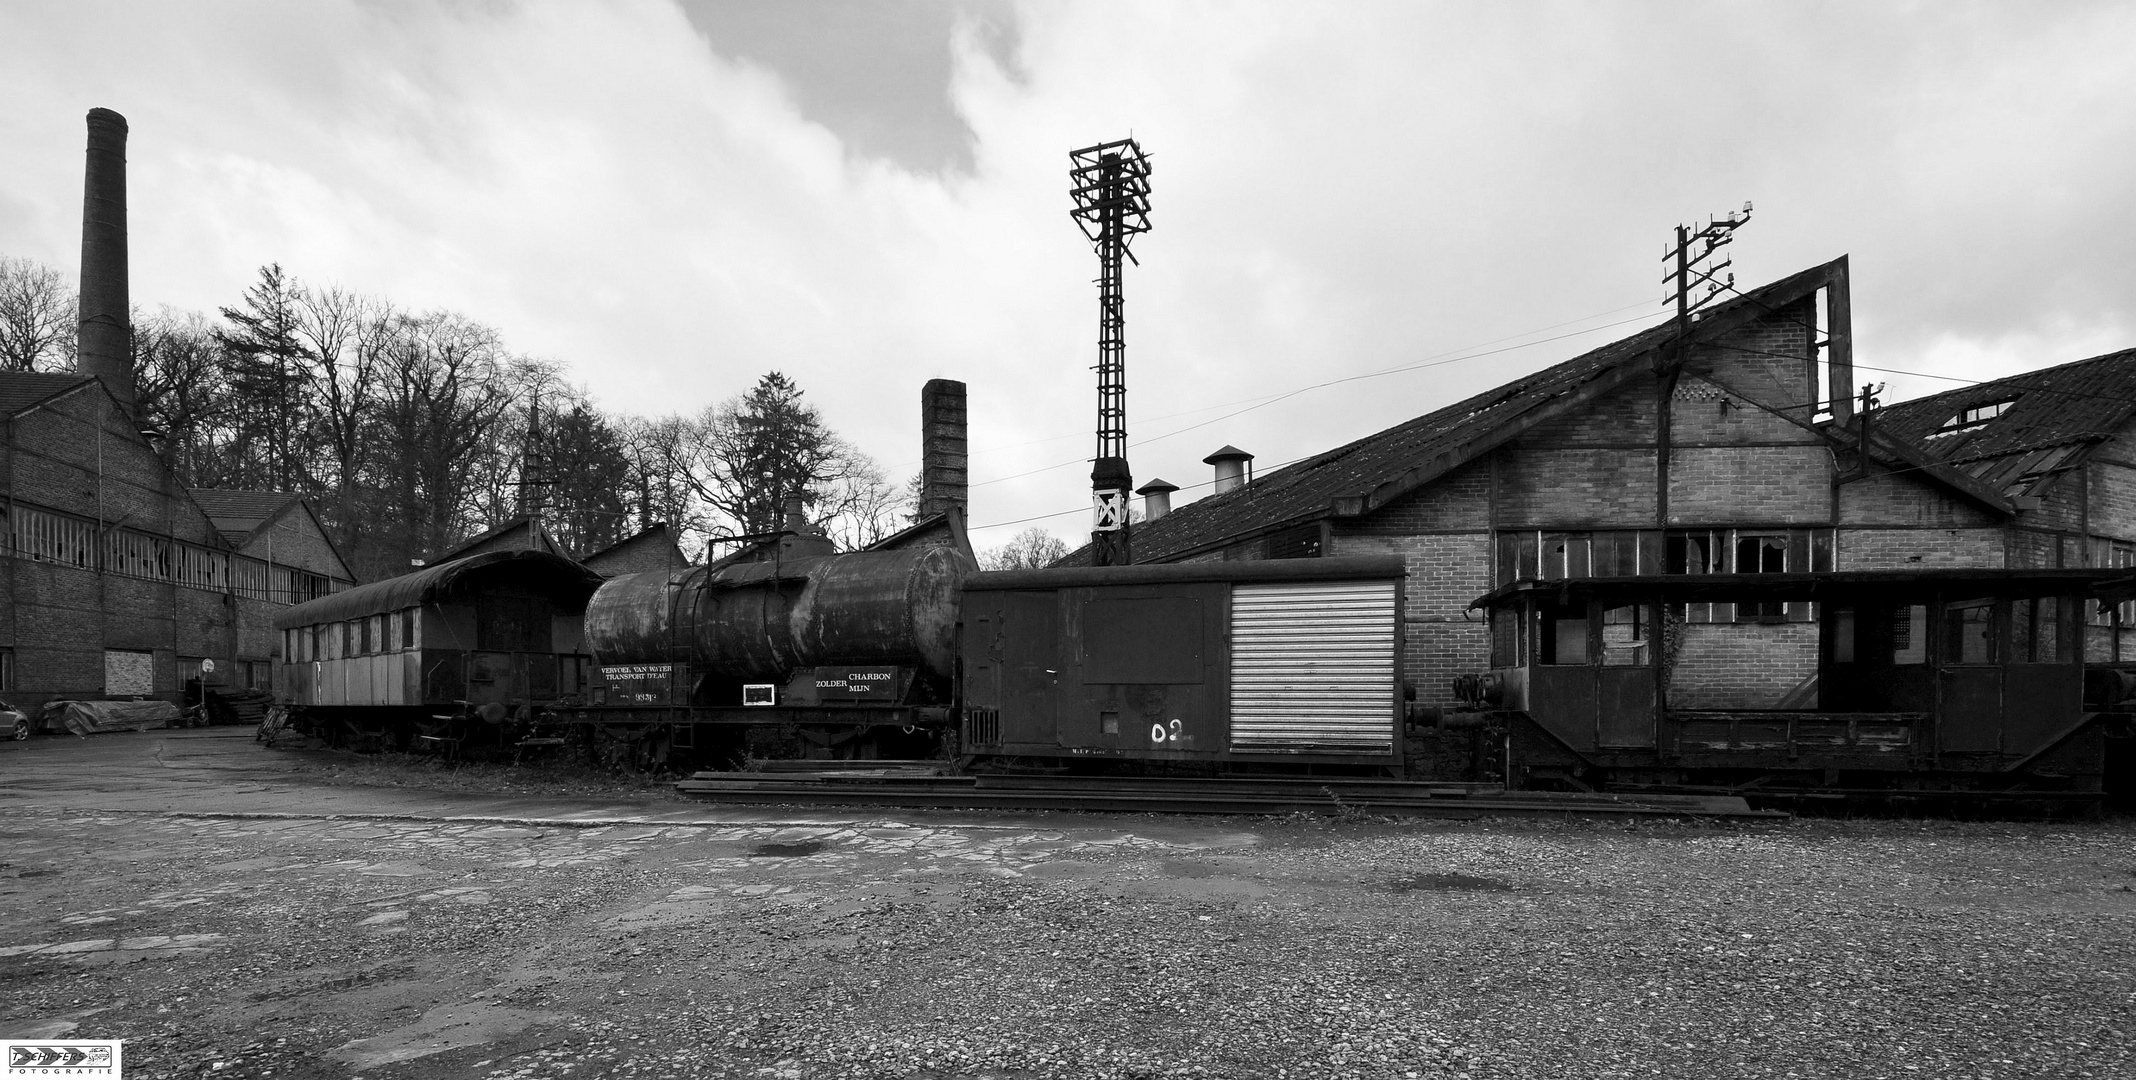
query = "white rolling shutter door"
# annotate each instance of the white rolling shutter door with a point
(1312, 667)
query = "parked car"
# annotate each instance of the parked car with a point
(18, 725)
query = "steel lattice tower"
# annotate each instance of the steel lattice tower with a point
(1110, 183)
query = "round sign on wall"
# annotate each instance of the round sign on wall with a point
(207, 667)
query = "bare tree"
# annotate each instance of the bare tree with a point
(178, 373)
(1032, 549)
(442, 396)
(858, 505)
(658, 485)
(37, 317)
(343, 340)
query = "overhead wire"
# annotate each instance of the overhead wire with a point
(1269, 398)
(1440, 360)
(1436, 361)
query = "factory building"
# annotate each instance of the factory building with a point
(117, 581)
(1736, 448)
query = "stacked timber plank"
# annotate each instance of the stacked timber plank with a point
(238, 706)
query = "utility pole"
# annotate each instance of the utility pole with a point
(1110, 183)
(534, 478)
(1687, 270)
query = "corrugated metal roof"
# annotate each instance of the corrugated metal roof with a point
(1305, 490)
(2050, 419)
(554, 575)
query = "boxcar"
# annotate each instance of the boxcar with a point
(1218, 666)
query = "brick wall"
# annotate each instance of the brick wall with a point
(1918, 549)
(1707, 413)
(1446, 572)
(1902, 499)
(59, 460)
(638, 555)
(2113, 500)
(1541, 486)
(77, 454)
(1625, 415)
(1459, 500)
(2033, 550)
(1763, 485)
(1741, 666)
(2061, 503)
(1768, 359)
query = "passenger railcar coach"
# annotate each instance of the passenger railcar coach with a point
(496, 636)
(1949, 682)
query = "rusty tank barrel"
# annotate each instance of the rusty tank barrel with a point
(631, 618)
(762, 620)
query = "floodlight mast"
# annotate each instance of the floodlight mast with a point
(1110, 183)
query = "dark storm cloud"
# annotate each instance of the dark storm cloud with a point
(876, 74)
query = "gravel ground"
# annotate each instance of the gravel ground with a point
(1077, 946)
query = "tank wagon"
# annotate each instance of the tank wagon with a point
(478, 647)
(1971, 683)
(789, 648)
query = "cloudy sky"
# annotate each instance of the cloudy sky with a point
(671, 197)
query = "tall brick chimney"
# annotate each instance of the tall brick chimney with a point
(945, 460)
(104, 347)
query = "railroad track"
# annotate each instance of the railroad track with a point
(920, 787)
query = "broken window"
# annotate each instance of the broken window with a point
(1567, 555)
(1624, 636)
(1909, 639)
(1969, 629)
(1974, 416)
(1760, 554)
(1530, 554)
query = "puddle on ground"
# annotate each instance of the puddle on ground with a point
(786, 851)
(1447, 883)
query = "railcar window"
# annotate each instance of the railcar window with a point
(1842, 635)
(1624, 636)
(1909, 635)
(407, 621)
(1564, 634)
(1505, 638)
(376, 624)
(1970, 628)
